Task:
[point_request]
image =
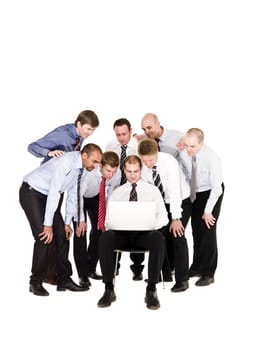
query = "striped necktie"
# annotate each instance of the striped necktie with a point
(193, 180)
(102, 205)
(133, 193)
(77, 145)
(157, 180)
(78, 192)
(122, 159)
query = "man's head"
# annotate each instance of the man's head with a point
(91, 156)
(132, 168)
(193, 141)
(109, 164)
(151, 126)
(148, 152)
(86, 122)
(123, 130)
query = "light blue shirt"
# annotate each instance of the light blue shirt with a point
(63, 138)
(169, 140)
(53, 178)
(89, 187)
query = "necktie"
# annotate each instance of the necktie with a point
(77, 145)
(133, 193)
(158, 144)
(78, 192)
(102, 205)
(157, 180)
(193, 180)
(122, 158)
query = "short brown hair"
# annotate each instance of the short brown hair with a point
(87, 117)
(147, 147)
(110, 158)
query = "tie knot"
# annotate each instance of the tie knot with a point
(103, 179)
(134, 186)
(154, 168)
(123, 147)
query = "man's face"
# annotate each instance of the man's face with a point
(151, 128)
(84, 130)
(132, 172)
(123, 134)
(192, 145)
(149, 160)
(108, 172)
(91, 161)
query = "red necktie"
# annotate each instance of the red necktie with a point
(102, 206)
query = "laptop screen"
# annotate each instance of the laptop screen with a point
(130, 216)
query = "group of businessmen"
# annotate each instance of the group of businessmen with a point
(176, 171)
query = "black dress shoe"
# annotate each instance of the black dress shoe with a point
(84, 282)
(72, 286)
(38, 289)
(137, 276)
(151, 300)
(204, 281)
(107, 298)
(180, 287)
(95, 276)
(193, 273)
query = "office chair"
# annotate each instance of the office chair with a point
(134, 251)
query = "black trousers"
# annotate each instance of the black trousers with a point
(34, 205)
(180, 246)
(150, 240)
(86, 259)
(86, 256)
(205, 252)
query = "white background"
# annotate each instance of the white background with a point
(194, 64)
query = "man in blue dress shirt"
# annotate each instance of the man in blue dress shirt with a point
(65, 138)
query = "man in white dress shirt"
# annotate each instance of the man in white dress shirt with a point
(206, 203)
(124, 145)
(169, 172)
(150, 240)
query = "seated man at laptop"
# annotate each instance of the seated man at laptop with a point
(132, 236)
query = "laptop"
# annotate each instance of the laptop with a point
(131, 216)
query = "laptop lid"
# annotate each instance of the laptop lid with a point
(131, 216)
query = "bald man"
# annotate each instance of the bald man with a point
(168, 140)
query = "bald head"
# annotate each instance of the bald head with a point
(151, 126)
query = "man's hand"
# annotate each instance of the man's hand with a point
(209, 219)
(81, 229)
(46, 235)
(56, 153)
(177, 228)
(68, 231)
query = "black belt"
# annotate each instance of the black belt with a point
(26, 185)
